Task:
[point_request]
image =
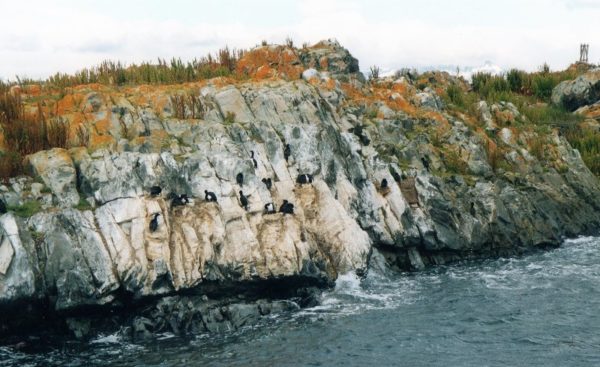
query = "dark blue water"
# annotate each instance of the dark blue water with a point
(538, 310)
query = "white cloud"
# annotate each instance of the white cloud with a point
(583, 4)
(39, 40)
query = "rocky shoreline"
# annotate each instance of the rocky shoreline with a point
(89, 250)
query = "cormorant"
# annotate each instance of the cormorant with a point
(253, 160)
(268, 183)
(2, 207)
(179, 200)
(269, 208)
(154, 222)
(243, 200)
(425, 162)
(365, 140)
(240, 178)
(304, 179)
(286, 208)
(210, 196)
(287, 151)
(155, 191)
(395, 175)
(472, 209)
(384, 188)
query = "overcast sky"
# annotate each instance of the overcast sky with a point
(39, 38)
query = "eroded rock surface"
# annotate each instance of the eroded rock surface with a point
(446, 199)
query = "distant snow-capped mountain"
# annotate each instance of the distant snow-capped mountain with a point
(464, 71)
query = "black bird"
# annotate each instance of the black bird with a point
(253, 160)
(184, 198)
(384, 183)
(268, 183)
(269, 208)
(210, 196)
(240, 178)
(365, 140)
(2, 207)
(286, 208)
(179, 200)
(395, 175)
(154, 222)
(155, 190)
(243, 200)
(287, 151)
(304, 179)
(472, 209)
(425, 162)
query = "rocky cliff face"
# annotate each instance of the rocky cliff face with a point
(453, 190)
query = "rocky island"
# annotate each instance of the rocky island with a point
(405, 171)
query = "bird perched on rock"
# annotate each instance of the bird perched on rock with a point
(155, 190)
(287, 151)
(286, 207)
(154, 222)
(244, 200)
(179, 200)
(2, 207)
(425, 162)
(269, 208)
(253, 160)
(384, 188)
(395, 175)
(304, 179)
(239, 178)
(210, 196)
(268, 183)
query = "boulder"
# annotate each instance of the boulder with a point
(330, 56)
(583, 90)
(56, 169)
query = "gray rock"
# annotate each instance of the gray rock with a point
(583, 90)
(92, 258)
(56, 168)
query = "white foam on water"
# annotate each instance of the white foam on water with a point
(352, 295)
(165, 336)
(114, 338)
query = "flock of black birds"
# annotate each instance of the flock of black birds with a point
(269, 208)
(209, 196)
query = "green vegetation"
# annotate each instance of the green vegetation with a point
(27, 133)
(530, 93)
(26, 210)
(229, 118)
(187, 102)
(163, 72)
(587, 141)
(38, 238)
(175, 71)
(374, 72)
(83, 205)
(544, 114)
(454, 163)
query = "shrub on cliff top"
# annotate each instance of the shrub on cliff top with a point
(26, 133)
(173, 72)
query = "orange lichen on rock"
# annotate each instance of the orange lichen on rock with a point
(101, 141)
(66, 104)
(102, 126)
(269, 62)
(433, 115)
